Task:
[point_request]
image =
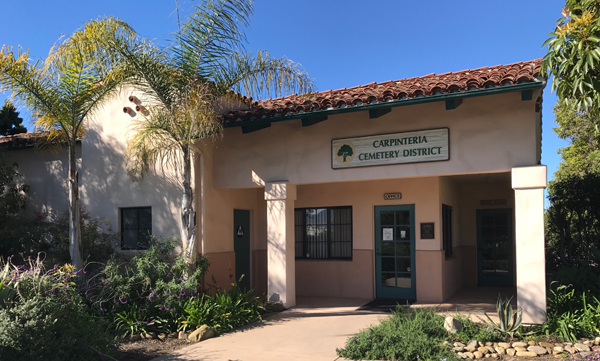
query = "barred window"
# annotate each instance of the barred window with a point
(324, 233)
(136, 227)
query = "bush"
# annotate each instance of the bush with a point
(46, 328)
(148, 291)
(224, 311)
(475, 331)
(571, 314)
(407, 335)
(573, 221)
(46, 319)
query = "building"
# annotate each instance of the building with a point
(409, 189)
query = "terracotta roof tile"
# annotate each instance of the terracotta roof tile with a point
(431, 84)
(23, 140)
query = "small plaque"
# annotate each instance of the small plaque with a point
(427, 230)
(392, 196)
(240, 232)
(493, 202)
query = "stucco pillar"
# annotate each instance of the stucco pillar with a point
(281, 258)
(529, 184)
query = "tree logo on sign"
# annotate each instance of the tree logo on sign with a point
(345, 153)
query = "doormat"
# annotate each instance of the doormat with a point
(385, 305)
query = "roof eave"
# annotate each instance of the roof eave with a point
(538, 84)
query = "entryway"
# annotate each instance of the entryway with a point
(395, 252)
(494, 247)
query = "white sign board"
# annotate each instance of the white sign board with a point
(388, 234)
(386, 149)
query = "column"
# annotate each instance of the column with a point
(281, 258)
(529, 184)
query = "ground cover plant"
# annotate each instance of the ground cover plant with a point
(408, 334)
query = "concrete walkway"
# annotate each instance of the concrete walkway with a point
(317, 326)
(311, 331)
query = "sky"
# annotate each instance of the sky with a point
(340, 43)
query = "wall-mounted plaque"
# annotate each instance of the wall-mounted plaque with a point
(392, 196)
(493, 202)
(386, 149)
(427, 230)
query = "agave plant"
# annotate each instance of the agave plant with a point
(510, 320)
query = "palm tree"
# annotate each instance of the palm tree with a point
(61, 93)
(185, 86)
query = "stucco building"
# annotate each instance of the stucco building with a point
(410, 189)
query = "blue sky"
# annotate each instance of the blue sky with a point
(341, 43)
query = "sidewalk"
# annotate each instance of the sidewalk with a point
(310, 331)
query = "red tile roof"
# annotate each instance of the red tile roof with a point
(432, 84)
(23, 140)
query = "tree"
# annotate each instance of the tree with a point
(61, 92)
(185, 85)
(574, 54)
(10, 122)
(345, 151)
(582, 155)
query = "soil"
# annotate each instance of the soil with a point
(145, 350)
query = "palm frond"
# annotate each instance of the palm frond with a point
(211, 34)
(261, 75)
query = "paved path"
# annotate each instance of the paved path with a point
(311, 331)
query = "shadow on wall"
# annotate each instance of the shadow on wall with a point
(106, 186)
(46, 173)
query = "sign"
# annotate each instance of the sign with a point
(493, 202)
(386, 149)
(392, 196)
(240, 231)
(388, 234)
(428, 230)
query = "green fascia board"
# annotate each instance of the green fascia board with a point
(394, 103)
(527, 95)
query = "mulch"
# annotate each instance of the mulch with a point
(145, 350)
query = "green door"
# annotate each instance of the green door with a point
(395, 252)
(494, 247)
(241, 246)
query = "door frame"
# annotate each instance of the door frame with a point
(492, 281)
(380, 292)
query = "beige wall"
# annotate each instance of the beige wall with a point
(487, 134)
(105, 186)
(46, 173)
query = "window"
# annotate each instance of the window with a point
(447, 229)
(136, 227)
(324, 233)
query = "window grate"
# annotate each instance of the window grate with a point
(323, 233)
(136, 228)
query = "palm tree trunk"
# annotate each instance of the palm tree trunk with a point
(74, 228)
(188, 224)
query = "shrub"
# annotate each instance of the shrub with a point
(150, 287)
(224, 311)
(46, 319)
(406, 335)
(571, 314)
(475, 331)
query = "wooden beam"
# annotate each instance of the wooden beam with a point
(452, 104)
(376, 113)
(526, 95)
(253, 128)
(307, 122)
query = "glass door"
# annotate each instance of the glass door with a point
(395, 252)
(494, 247)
